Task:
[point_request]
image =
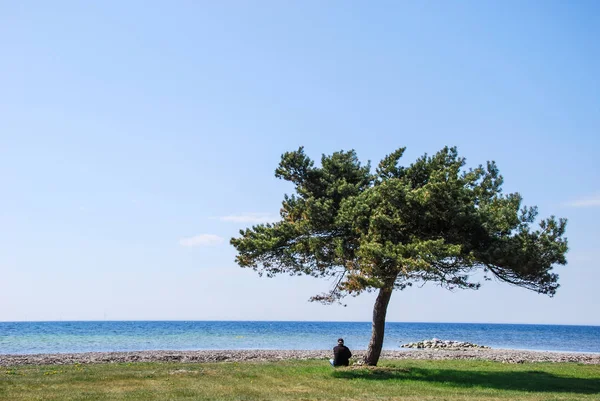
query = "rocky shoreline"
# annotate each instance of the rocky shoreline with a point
(447, 344)
(505, 356)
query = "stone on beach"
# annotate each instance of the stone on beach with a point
(447, 344)
(210, 356)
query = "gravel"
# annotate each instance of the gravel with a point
(499, 355)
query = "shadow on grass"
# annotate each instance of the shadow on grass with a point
(535, 381)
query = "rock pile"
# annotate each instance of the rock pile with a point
(446, 344)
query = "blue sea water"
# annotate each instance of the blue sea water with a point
(62, 337)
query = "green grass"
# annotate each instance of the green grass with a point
(303, 380)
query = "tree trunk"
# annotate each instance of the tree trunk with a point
(379, 311)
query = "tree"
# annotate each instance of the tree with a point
(432, 221)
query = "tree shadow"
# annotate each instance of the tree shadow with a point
(532, 380)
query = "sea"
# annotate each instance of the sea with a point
(105, 336)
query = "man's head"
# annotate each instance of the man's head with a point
(340, 341)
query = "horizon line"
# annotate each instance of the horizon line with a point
(289, 321)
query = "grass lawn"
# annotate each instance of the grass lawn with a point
(303, 380)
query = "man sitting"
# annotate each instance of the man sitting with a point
(341, 354)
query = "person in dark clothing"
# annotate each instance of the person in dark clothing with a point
(341, 354)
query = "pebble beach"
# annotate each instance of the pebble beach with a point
(498, 355)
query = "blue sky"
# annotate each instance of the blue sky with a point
(136, 138)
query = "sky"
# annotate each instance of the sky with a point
(138, 137)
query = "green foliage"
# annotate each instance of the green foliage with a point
(431, 221)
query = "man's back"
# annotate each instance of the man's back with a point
(341, 355)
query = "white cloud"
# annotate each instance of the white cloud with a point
(254, 218)
(201, 240)
(590, 201)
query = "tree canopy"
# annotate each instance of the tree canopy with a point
(431, 221)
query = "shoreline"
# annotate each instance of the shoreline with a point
(211, 356)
